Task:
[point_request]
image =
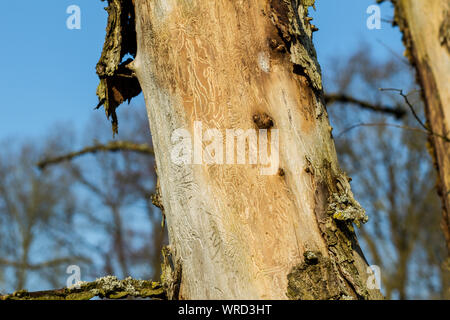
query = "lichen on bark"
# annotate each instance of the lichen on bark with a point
(109, 287)
(332, 277)
(338, 231)
(339, 272)
(341, 265)
(343, 206)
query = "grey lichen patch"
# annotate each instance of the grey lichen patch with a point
(343, 207)
(106, 287)
(111, 284)
(342, 204)
(332, 193)
(314, 279)
(113, 288)
(118, 82)
(293, 24)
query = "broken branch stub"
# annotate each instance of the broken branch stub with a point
(118, 82)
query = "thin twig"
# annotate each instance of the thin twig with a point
(416, 116)
(391, 21)
(112, 146)
(405, 97)
(395, 54)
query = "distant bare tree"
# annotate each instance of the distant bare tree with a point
(392, 175)
(36, 215)
(98, 204)
(119, 186)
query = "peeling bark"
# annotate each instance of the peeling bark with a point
(234, 233)
(118, 83)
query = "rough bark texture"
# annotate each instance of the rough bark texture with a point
(426, 34)
(234, 233)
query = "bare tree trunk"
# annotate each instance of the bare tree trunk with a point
(426, 34)
(243, 231)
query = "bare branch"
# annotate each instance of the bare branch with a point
(112, 146)
(333, 98)
(107, 287)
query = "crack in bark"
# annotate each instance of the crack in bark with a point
(171, 276)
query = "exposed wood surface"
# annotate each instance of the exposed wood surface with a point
(236, 232)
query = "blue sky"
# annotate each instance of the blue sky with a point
(48, 71)
(342, 29)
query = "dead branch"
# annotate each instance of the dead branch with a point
(107, 287)
(397, 112)
(112, 146)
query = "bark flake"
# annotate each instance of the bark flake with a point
(118, 83)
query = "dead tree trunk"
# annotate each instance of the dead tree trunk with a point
(257, 230)
(426, 34)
